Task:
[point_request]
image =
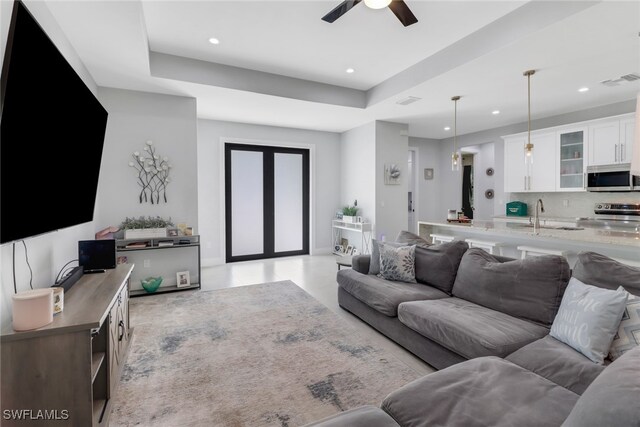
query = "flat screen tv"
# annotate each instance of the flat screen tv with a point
(51, 136)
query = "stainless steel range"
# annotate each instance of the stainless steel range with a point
(620, 217)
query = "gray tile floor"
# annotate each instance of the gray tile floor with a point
(316, 275)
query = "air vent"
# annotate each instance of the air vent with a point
(408, 100)
(630, 77)
(627, 78)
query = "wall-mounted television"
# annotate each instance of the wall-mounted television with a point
(51, 136)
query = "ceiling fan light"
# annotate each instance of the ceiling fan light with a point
(377, 4)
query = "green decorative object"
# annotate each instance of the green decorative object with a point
(151, 284)
(148, 222)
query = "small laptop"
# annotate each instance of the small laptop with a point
(96, 256)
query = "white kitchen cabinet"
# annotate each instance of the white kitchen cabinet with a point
(571, 151)
(541, 177)
(627, 136)
(611, 142)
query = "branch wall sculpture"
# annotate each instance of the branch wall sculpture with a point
(153, 174)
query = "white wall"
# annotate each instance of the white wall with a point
(483, 158)
(325, 179)
(170, 122)
(427, 204)
(392, 145)
(49, 252)
(357, 170)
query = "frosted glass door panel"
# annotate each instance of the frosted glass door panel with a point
(247, 218)
(288, 202)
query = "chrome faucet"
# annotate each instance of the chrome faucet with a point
(536, 223)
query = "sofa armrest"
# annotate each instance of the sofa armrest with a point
(360, 263)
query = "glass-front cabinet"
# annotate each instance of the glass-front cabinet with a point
(572, 148)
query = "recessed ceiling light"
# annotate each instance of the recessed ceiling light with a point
(495, 112)
(447, 128)
(583, 89)
(214, 40)
(350, 70)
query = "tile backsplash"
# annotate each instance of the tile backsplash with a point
(578, 204)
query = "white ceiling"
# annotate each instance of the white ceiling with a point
(114, 38)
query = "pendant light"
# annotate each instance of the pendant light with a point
(455, 156)
(528, 147)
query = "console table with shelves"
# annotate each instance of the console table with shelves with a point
(365, 230)
(72, 365)
(161, 256)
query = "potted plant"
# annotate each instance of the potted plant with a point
(145, 228)
(349, 213)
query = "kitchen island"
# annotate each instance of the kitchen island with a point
(555, 233)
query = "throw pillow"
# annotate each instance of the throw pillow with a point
(589, 318)
(628, 335)
(409, 238)
(374, 263)
(398, 263)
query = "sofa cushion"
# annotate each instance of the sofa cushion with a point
(588, 318)
(409, 238)
(612, 398)
(558, 363)
(530, 289)
(604, 272)
(467, 328)
(360, 263)
(364, 416)
(398, 263)
(487, 391)
(437, 265)
(628, 335)
(384, 295)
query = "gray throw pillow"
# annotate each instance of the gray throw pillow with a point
(409, 238)
(398, 264)
(588, 318)
(374, 263)
(628, 335)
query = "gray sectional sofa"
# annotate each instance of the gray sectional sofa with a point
(497, 313)
(465, 304)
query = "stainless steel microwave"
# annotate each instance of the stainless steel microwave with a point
(612, 178)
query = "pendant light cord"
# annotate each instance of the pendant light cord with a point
(529, 108)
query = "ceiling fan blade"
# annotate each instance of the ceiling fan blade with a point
(402, 12)
(340, 10)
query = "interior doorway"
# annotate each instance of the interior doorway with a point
(266, 202)
(467, 185)
(412, 190)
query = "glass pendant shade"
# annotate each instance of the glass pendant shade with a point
(377, 4)
(455, 161)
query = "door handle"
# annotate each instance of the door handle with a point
(622, 153)
(525, 182)
(584, 180)
(616, 153)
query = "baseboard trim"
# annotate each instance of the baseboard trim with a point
(211, 262)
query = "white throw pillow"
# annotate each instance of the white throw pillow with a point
(628, 335)
(588, 318)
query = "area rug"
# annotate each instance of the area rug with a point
(260, 355)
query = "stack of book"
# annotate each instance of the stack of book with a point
(163, 243)
(137, 245)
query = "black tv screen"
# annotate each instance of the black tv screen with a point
(51, 136)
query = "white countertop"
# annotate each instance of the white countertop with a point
(502, 227)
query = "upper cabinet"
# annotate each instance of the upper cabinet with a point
(540, 178)
(561, 154)
(571, 152)
(611, 142)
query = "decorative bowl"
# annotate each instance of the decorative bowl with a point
(151, 284)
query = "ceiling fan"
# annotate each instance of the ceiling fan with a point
(398, 7)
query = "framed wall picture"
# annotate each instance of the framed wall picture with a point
(172, 232)
(349, 250)
(392, 174)
(428, 173)
(183, 279)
